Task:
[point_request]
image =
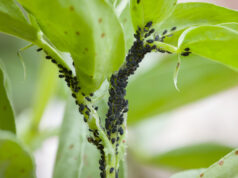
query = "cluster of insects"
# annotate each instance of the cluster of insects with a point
(117, 104)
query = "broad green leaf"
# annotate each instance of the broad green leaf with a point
(153, 92)
(188, 174)
(15, 161)
(213, 42)
(225, 167)
(192, 14)
(13, 22)
(190, 157)
(7, 118)
(70, 155)
(144, 11)
(88, 30)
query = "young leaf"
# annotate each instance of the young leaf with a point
(190, 157)
(205, 78)
(7, 119)
(13, 22)
(70, 155)
(15, 161)
(195, 13)
(212, 42)
(88, 30)
(144, 11)
(225, 167)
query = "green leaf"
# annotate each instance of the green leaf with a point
(188, 174)
(212, 42)
(70, 154)
(225, 167)
(7, 118)
(144, 11)
(88, 30)
(15, 161)
(192, 14)
(232, 25)
(12, 21)
(190, 157)
(126, 21)
(153, 92)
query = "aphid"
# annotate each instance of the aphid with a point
(185, 53)
(113, 140)
(187, 49)
(83, 94)
(101, 167)
(81, 107)
(73, 63)
(73, 95)
(149, 24)
(91, 94)
(53, 61)
(87, 98)
(39, 49)
(48, 57)
(60, 66)
(165, 32)
(96, 108)
(121, 131)
(85, 120)
(138, 1)
(150, 41)
(174, 28)
(157, 38)
(111, 170)
(61, 76)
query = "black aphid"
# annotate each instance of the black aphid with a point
(187, 49)
(87, 113)
(96, 108)
(113, 140)
(185, 53)
(121, 131)
(91, 94)
(39, 49)
(149, 41)
(138, 1)
(149, 24)
(111, 170)
(174, 28)
(87, 98)
(165, 32)
(61, 76)
(48, 57)
(73, 95)
(53, 61)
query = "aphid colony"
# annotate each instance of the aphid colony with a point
(73, 83)
(117, 103)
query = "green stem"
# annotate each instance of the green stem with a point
(50, 51)
(164, 46)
